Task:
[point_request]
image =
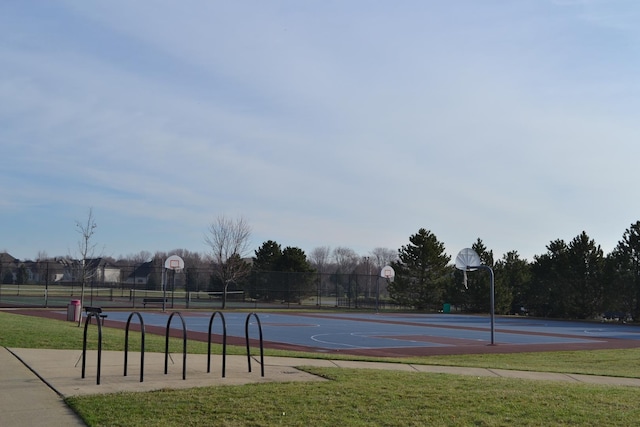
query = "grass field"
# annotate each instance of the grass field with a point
(359, 397)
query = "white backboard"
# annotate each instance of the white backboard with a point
(467, 259)
(174, 262)
(388, 273)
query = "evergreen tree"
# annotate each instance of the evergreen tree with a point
(267, 256)
(568, 280)
(547, 293)
(264, 282)
(280, 274)
(298, 274)
(512, 279)
(584, 278)
(422, 271)
(624, 270)
(294, 260)
(477, 295)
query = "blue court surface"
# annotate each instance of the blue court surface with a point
(399, 334)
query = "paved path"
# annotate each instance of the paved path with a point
(25, 400)
(33, 382)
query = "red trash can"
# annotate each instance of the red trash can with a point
(73, 310)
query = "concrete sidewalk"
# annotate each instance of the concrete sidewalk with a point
(25, 400)
(33, 382)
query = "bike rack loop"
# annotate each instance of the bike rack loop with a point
(84, 344)
(184, 345)
(246, 333)
(224, 343)
(126, 345)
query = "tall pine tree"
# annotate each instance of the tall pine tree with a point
(624, 271)
(421, 272)
(585, 278)
(512, 279)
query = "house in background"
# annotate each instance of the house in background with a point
(142, 275)
(149, 276)
(103, 271)
(8, 268)
(97, 270)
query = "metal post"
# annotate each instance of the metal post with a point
(164, 289)
(377, 294)
(46, 287)
(492, 297)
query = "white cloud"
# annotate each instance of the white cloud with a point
(471, 120)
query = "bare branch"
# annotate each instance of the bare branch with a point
(86, 251)
(319, 257)
(229, 242)
(227, 237)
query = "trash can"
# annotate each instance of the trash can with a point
(74, 310)
(446, 308)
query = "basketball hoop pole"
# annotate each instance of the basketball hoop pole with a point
(388, 273)
(492, 291)
(377, 294)
(174, 262)
(164, 289)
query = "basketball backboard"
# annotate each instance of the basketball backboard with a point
(388, 273)
(174, 262)
(467, 260)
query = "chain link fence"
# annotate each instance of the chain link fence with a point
(54, 284)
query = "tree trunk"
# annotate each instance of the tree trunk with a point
(224, 296)
(81, 304)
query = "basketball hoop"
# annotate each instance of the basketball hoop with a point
(388, 273)
(175, 263)
(469, 260)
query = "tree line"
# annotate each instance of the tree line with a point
(572, 279)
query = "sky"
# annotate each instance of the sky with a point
(320, 122)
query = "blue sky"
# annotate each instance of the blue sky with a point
(323, 123)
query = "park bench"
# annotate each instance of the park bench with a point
(155, 300)
(96, 310)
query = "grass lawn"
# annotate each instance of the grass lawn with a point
(358, 397)
(371, 398)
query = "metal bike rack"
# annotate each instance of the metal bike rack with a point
(224, 343)
(126, 345)
(246, 333)
(184, 346)
(84, 344)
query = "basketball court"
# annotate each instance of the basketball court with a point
(394, 334)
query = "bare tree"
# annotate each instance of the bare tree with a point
(86, 252)
(383, 256)
(139, 258)
(228, 240)
(346, 259)
(319, 258)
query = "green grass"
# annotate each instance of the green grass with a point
(357, 397)
(371, 398)
(615, 363)
(35, 332)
